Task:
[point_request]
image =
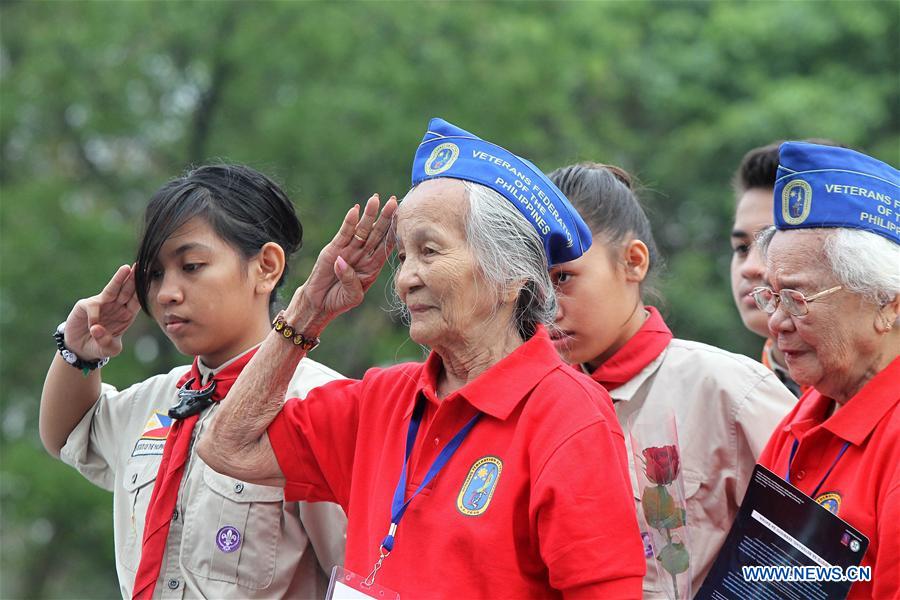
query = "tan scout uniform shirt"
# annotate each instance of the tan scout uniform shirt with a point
(726, 407)
(280, 541)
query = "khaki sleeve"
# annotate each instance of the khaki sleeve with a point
(761, 412)
(756, 417)
(326, 525)
(93, 447)
(310, 375)
(325, 522)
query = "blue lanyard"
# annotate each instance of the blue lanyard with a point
(827, 473)
(398, 506)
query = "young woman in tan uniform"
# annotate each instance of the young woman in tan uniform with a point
(725, 405)
(212, 254)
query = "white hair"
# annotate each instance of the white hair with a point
(509, 254)
(764, 238)
(863, 262)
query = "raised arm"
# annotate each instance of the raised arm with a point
(237, 444)
(94, 330)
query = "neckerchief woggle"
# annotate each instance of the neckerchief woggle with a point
(398, 506)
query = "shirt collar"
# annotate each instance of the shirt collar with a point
(859, 416)
(498, 390)
(627, 390)
(207, 372)
(811, 411)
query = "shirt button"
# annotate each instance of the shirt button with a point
(437, 441)
(173, 584)
(175, 515)
(801, 474)
(238, 488)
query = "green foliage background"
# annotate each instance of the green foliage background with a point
(102, 102)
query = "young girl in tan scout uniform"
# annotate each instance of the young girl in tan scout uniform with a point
(211, 256)
(725, 405)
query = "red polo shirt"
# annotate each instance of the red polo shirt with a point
(864, 486)
(547, 454)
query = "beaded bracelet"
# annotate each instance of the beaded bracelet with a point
(297, 338)
(86, 366)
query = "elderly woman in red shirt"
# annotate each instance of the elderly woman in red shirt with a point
(833, 263)
(521, 465)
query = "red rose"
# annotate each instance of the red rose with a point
(661, 464)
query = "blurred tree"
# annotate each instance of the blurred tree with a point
(100, 103)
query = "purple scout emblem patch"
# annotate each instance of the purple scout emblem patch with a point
(228, 539)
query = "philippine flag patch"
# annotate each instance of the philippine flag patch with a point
(153, 440)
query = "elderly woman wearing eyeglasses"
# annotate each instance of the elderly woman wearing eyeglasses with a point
(833, 261)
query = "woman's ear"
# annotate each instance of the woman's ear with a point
(268, 267)
(511, 294)
(637, 261)
(888, 315)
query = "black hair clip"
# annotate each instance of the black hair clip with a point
(192, 402)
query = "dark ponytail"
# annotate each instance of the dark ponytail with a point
(605, 197)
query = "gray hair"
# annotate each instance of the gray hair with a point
(860, 260)
(509, 254)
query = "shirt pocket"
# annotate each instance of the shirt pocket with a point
(232, 531)
(707, 522)
(138, 479)
(697, 517)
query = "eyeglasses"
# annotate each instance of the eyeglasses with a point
(794, 302)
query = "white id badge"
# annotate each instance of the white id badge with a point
(347, 585)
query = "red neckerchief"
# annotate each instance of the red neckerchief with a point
(638, 352)
(168, 478)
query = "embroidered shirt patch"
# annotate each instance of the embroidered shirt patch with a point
(478, 489)
(153, 440)
(831, 501)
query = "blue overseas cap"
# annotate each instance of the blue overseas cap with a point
(448, 151)
(825, 186)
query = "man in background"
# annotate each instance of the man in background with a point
(754, 184)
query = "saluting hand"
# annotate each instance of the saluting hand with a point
(351, 262)
(95, 326)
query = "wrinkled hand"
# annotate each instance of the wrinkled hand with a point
(350, 263)
(95, 326)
